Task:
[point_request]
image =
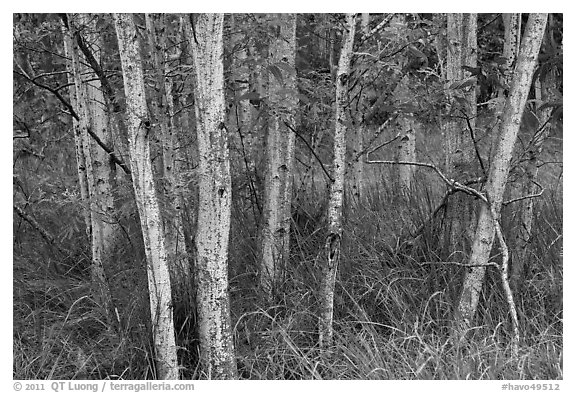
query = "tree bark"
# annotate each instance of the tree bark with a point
(407, 145)
(76, 126)
(216, 343)
(512, 24)
(460, 157)
(99, 176)
(139, 126)
(156, 25)
(280, 142)
(498, 175)
(334, 238)
(543, 93)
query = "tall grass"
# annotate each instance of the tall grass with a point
(393, 303)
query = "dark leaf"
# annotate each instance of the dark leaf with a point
(286, 67)
(274, 70)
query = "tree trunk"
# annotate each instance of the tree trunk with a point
(77, 128)
(334, 238)
(156, 25)
(99, 176)
(498, 175)
(407, 145)
(357, 189)
(512, 24)
(243, 116)
(142, 179)
(543, 93)
(216, 343)
(276, 219)
(364, 23)
(460, 155)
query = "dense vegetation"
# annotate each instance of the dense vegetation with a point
(395, 292)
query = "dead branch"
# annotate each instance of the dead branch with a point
(375, 136)
(110, 152)
(493, 264)
(43, 232)
(524, 197)
(376, 29)
(311, 149)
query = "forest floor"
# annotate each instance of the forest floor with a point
(393, 301)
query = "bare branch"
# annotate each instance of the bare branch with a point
(310, 148)
(525, 197)
(376, 29)
(493, 264)
(110, 152)
(46, 87)
(449, 182)
(376, 135)
(43, 232)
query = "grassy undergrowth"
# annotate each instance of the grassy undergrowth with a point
(393, 304)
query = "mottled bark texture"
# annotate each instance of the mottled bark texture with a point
(276, 213)
(156, 25)
(461, 162)
(543, 89)
(139, 127)
(407, 145)
(99, 169)
(216, 341)
(334, 237)
(498, 175)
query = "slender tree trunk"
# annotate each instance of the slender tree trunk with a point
(216, 343)
(498, 175)
(243, 113)
(77, 128)
(460, 157)
(512, 24)
(407, 145)
(364, 24)
(357, 178)
(99, 179)
(139, 126)
(334, 238)
(156, 25)
(104, 227)
(523, 236)
(275, 228)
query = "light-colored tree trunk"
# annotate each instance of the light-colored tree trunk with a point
(334, 238)
(407, 145)
(243, 116)
(470, 59)
(357, 179)
(216, 343)
(460, 157)
(139, 127)
(282, 96)
(364, 24)
(156, 26)
(543, 93)
(77, 128)
(99, 176)
(498, 175)
(512, 24)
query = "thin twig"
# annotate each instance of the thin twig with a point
(43, 232)
(376, 135)
(310, 148)
(471, 130)
(524, 197)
